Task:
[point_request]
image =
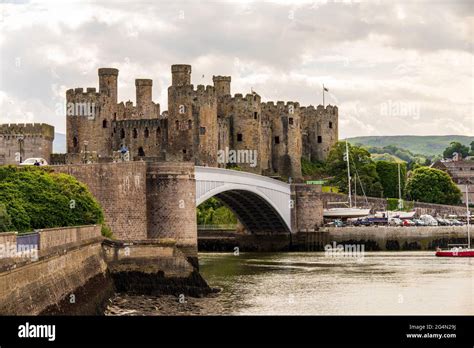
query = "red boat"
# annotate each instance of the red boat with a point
(455, 252)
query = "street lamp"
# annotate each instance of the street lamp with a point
(85, 150)
(21, 139)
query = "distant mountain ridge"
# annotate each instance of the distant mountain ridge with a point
(430, 145)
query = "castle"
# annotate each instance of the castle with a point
(205, 125)
(199, 122)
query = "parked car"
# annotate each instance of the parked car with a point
(419, 222)
(455, 222)
(429, 220)
(34, 161)
(336, 223)
(408, 222)
(394, 222)
(362, 222)
(442, 222)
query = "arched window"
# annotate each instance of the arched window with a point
(177, 124)
(190, 124)
(141, 153)
(104, 124)
(158, 132)
(122, 133)
(146, 133)
(74, 142)
(135, 133)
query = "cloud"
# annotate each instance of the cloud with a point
(369, 54)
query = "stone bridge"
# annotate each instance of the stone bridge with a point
(150, 200)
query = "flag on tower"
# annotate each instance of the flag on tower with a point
(325, 89)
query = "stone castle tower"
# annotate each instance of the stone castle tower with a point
(21, 141)
(200, 124)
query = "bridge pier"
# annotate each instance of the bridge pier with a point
(307, 211)
(171, 204)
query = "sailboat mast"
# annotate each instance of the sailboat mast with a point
(355, 190)
(348, 175)
(468, 215)
(400, 202)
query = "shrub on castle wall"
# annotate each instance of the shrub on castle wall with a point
(36, 198)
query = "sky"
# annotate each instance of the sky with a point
(392, 67)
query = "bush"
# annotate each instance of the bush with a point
(312, 169)
(432, 186)
(36, 198)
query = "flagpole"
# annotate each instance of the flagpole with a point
(323, 95)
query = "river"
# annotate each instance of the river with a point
(312, 283)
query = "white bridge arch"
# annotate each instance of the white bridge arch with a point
(262, 204)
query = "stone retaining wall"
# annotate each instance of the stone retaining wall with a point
(75, 278)
(8, 238)
(52, 237)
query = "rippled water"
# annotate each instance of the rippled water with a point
(310, 283)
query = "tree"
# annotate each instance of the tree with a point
(388, 174)
(36, 198)
(213, 212)
(5, 220)
(472, 148)
(432, 186)
(361, 166)
(455, 146)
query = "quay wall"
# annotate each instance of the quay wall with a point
(381, 238)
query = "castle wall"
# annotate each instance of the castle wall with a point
(143, 138)
(33, 139)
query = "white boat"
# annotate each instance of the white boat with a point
(345, 212)
(350, 211)
(395, 214)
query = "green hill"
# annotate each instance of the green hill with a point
(430, 145)
(385, 157)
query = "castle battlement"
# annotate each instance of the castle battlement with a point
(75, 94)
(27, 129)
(280, 106)
(189, 91)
